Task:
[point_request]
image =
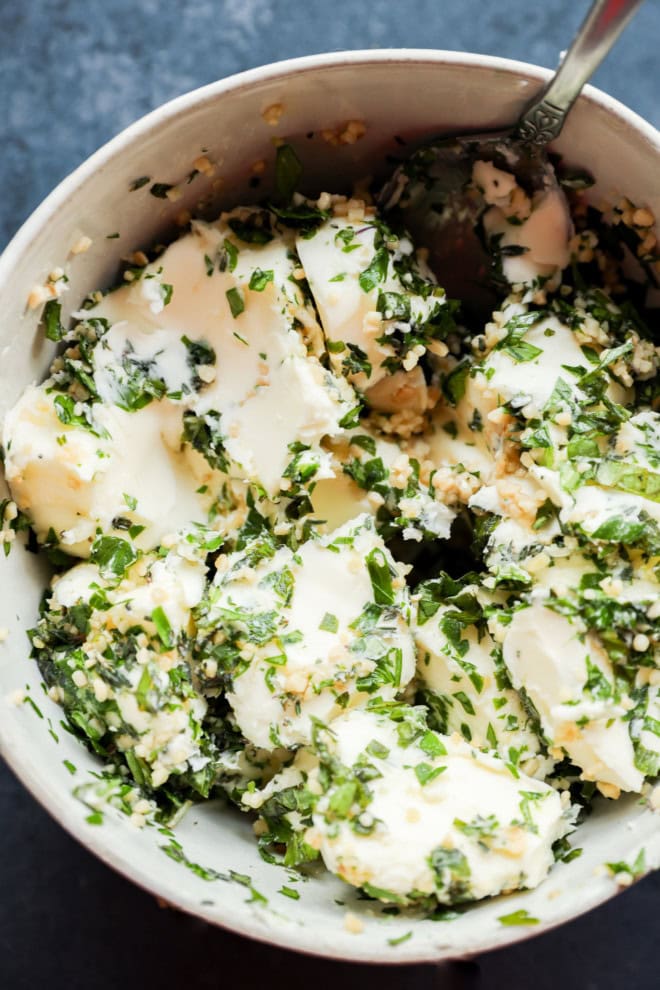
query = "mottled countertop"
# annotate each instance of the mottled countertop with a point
(73, 74)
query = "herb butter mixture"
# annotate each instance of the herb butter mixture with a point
(387, 583)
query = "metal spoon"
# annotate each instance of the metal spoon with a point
(431, 194)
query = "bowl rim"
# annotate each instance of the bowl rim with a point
(167, 112)
(289, 67)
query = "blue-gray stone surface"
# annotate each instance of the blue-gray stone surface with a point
(72, 74)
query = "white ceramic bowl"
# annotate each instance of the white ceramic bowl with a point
(405, 93)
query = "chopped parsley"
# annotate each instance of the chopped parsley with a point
(53, 328)
(329, 623)
(520, 917)
(160, 189)
(236, 301)
(260, 279)
(288, 171)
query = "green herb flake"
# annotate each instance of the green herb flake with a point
(619, 530)
(452, 873)
(356, 362)
(635, 870)
(627, 477)
(342, 798)
(376, 271)
(289, 892)
(236, 301)
(288, 171)
(53, 329)
(329, 623)
(380, 894)
(544, 514)
(33, 705)
(520, 917)
(381, 579)
(425, 773)
(393, 306)
(377, 749)
(465, 701)
(231, 255)
(250, 232)
(455, 383)
(160, 189)
(479, 828)
(260, 279)
(432, 745)
(513, 344)
(138, 183)
(175, 852)
(71, 413)
(163, 627)
(112, 555)
(204, 434)
(399, 940)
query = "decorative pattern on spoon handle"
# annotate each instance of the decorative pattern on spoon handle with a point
(541, 124)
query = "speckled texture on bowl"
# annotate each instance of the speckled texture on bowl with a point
(405, 93)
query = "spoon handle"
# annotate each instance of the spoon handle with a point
(544, 119)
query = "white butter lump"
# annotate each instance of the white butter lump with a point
(627, 480)
(401, 390)
(567, 569)
(93, 478)
(621, 486)
(138, 691)
(173, 583)
(328, 637)
(343, 305)
(350, 265)
(267, 370)
(593, 509)
(338, 500)
(127, 344)
(570, 682)
(504, 377)
(365, 462)
(442, 818)
(467, 686)
(541, 227)
(511, 497)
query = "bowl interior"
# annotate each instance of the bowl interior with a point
(399, 96)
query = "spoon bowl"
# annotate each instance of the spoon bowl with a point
(434, 197)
